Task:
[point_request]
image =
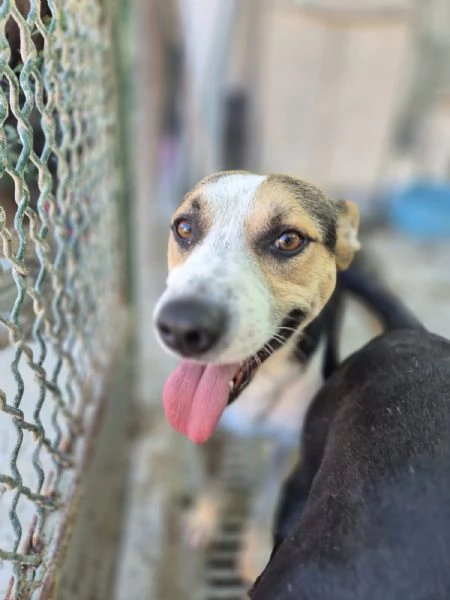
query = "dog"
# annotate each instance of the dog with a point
(253, 260)
(366, 513)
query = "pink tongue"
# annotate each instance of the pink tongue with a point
(195, 397)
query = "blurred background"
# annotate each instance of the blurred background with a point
(351, 95)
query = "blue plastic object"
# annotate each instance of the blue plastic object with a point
(423, 210)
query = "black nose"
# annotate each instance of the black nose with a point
(190, 327)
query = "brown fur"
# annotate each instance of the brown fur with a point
(307, 280)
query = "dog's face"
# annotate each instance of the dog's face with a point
(252, 260)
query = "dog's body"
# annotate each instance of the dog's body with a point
(252, 263)
(367, 514)
(268, 306)
(231, 219)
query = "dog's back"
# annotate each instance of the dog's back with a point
(372, 497)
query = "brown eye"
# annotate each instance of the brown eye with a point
(289, 241)
(183, 229)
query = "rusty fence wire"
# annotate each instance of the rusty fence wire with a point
(60, 258)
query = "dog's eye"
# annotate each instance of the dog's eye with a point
(183, 229)
(289, 242)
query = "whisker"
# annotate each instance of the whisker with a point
(271, 350)
(268, 348)
(284, 327)
(266, 351)
(256, 358)
(283, 333)
(279, 338)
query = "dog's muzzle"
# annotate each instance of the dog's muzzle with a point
(191, 327)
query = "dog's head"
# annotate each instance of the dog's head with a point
(252, 260)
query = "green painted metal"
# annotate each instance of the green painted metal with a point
(61, 245)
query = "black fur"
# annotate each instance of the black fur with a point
(366, 514)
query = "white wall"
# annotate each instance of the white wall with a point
(329, 90)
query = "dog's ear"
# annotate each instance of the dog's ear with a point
(347, 242)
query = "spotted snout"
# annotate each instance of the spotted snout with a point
(191, 327)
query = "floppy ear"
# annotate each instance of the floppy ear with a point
(346, 233)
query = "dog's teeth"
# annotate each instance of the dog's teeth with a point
(231, 385)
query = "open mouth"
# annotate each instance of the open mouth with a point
(195, 395)
(248, 368)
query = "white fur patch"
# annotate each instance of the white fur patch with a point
(221, 271)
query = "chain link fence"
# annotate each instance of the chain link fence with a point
(60, 268)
